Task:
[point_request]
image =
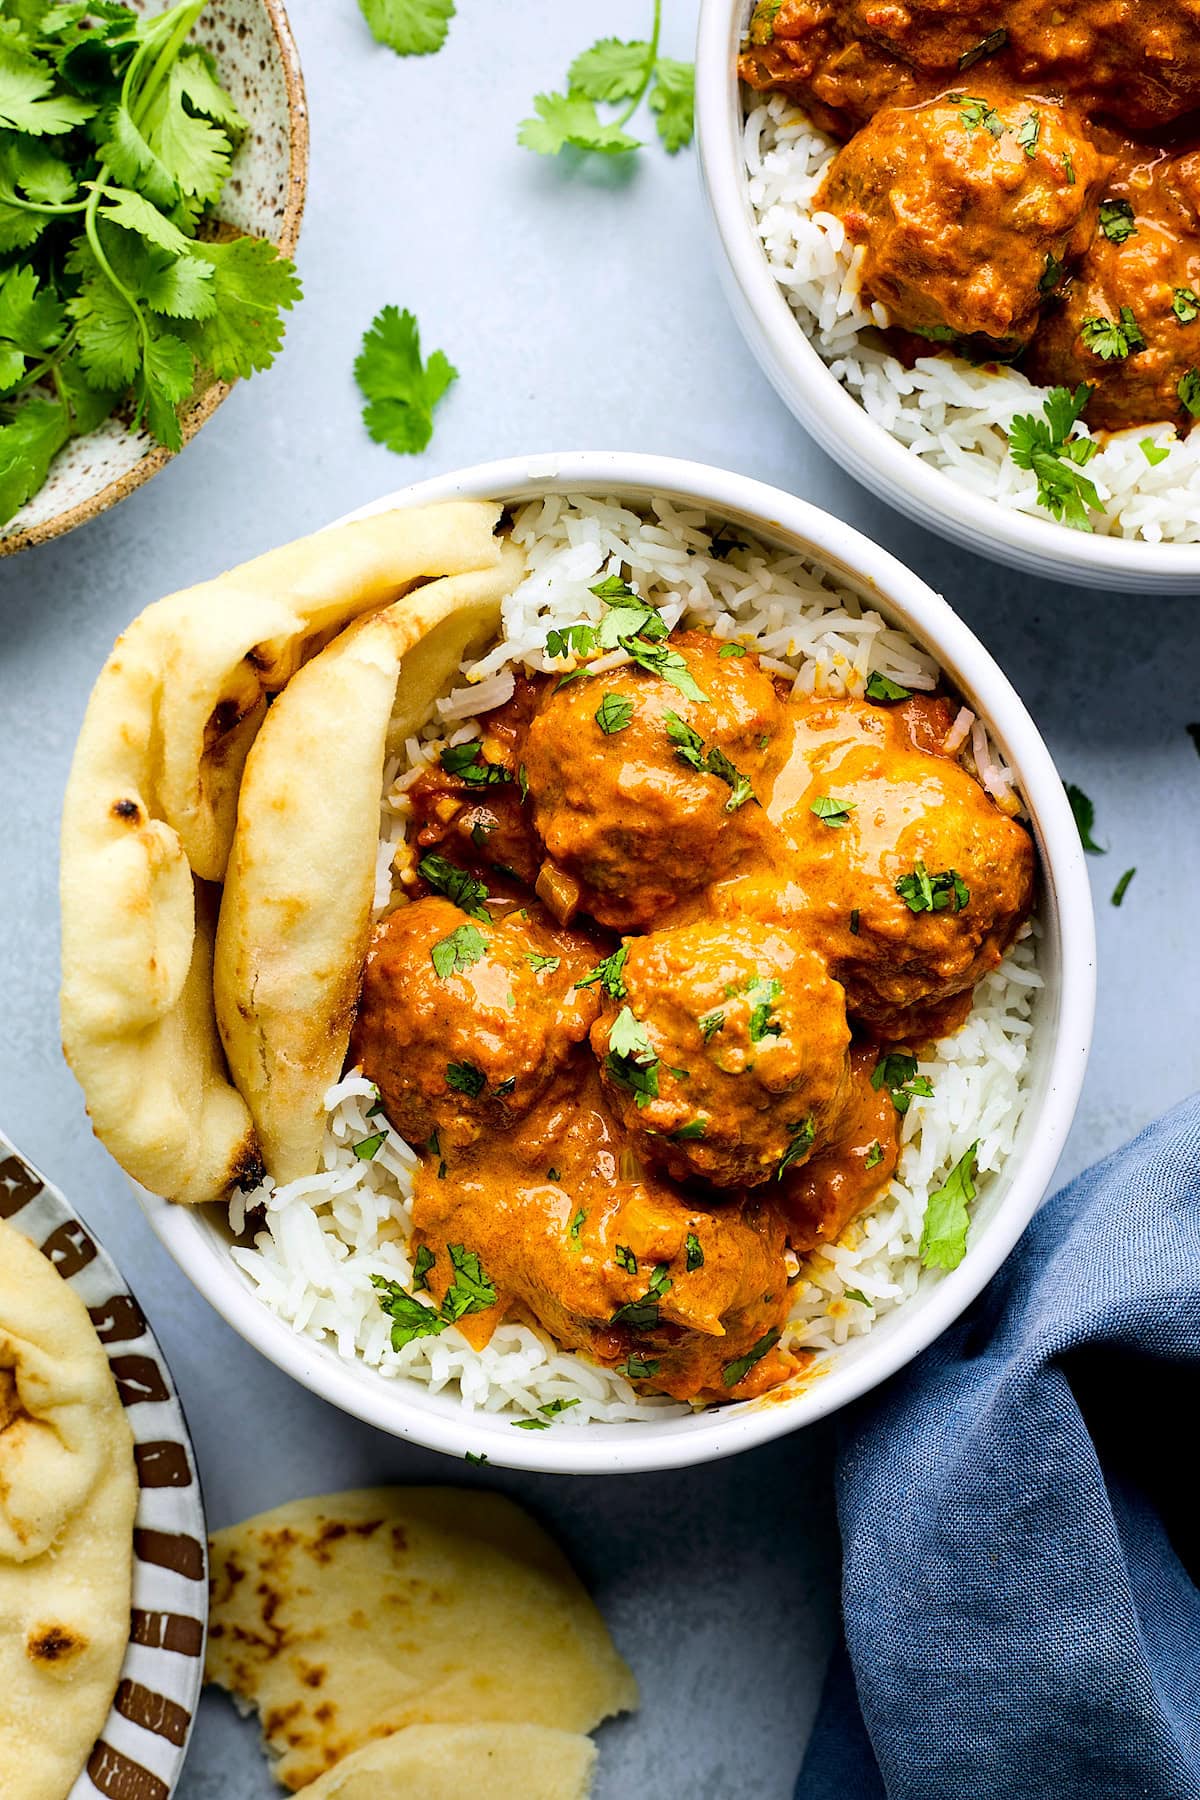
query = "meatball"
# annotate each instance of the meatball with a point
(726, 1056)
(970, 207)
(643, 794)
(1129, 324)
(463, 1022)
(1137, 61)
(850, 1173)
(914, 882)
(609, 1258)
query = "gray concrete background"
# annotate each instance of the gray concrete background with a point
(581, 305)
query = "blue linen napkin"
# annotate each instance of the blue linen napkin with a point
(1018, 1510)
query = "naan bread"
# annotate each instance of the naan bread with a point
(444, 1762)
(346, 1617)
(296, 912)
(149, 814)
(68, 1496)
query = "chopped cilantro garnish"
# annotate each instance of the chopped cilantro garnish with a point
(1085, 818)
(530, 1424)
(631, 1059)
(461, 950)
(1154, 453)
(444, 877)
(410, 1317)
(467, 761)
(833, 812)
(425, 1259)
(471, 1290)
(1112, 339)
(883, 688)
(1052, 274)
(695, 1253)
(1029, 131)
(988, 46)
(523, 783)
(944, 1234)
(690, 748)
(1185, 304)
(657, 659)
(625, 1259)
(922, 892)
(643, 1314)
(609, 974)
(1069, 168)
(576, 1227)
(638, 1368)
(369, 1148)
(1049, 449)
(762, 995)
(505, 1087)
(1117, 221)
(1189, 392)
(737, 1371)
(376, 1106)
(710, 1024)
(614, 714)
(897, 1072)
(465, 1078)
(874, 1155)
(978, 115)
(553, 1174)
(802, 1141)
(731, 649)
(552, 1408)
(542, 964)
(477, 1457)
(857, 1294)
(695, 1128)
(1119, 892)
(855, 916)
(400, 389)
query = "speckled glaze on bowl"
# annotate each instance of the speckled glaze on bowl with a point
(264, 197)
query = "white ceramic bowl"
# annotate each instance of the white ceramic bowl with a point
(200, 1241)
(834, 417)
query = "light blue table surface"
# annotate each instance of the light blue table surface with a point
(581, 305)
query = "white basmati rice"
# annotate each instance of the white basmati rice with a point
(946, 411)
(324, 1237)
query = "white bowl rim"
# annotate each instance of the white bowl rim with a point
(723, 1431)
(835, 418)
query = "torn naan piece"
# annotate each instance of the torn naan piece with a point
(296, 912)
(68, 1498)
(149, 813)
(347, 1617)
(442, 1762)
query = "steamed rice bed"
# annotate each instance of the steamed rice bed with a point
(951, 414)
(324, 1237)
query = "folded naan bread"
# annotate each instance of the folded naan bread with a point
(347, 1617)
(149, 816)
(446, 1762)
(68, 1496)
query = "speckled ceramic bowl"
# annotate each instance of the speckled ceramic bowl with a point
(259, 65)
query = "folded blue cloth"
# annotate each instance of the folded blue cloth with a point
(1018, 1510)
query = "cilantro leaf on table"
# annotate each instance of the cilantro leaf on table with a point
(672, 101)
(1084, 814)
(571, 119)
(1052, 452)
(611, 71)
(409, 27)
(400, 389)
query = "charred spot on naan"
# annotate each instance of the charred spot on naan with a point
(54, 1646)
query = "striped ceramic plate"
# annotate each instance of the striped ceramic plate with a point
(140, 1755)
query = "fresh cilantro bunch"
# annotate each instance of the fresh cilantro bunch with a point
(116, 138)
(609, 73)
